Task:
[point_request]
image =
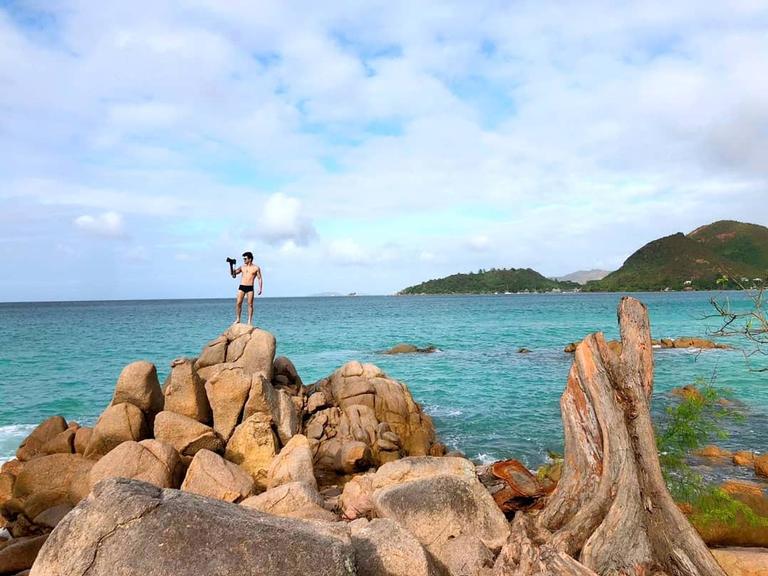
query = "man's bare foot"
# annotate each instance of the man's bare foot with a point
(237, 321)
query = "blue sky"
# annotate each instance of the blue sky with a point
(366, 146)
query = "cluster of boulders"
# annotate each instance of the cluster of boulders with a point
(234, 438)
(681, 342)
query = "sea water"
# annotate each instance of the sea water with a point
(486, 399)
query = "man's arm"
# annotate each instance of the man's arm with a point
(258, 275)
(236, 272)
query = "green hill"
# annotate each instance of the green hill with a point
(697, 260)
(489, 282)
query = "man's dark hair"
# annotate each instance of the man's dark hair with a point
(248, 255)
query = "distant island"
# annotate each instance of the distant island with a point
(493, 281)
(722, 255)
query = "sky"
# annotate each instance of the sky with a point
(366, 146)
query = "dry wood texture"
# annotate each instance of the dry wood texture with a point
(611, 513)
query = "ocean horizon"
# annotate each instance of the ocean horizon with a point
(487, 400)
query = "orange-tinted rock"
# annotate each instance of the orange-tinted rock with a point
(761, 465)
(712, 451)
(62, 443)
(742, 487)
(138, 385)
(744, 458)
(117, 424)
(742, 561)
(82, 438)
(687, 392)
(32, 445)
(522, 489)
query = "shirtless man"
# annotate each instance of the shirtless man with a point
(249, 271)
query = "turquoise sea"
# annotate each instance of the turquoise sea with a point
(486, 399)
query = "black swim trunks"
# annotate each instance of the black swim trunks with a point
(246, 289)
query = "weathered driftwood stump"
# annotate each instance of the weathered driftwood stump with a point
(611, 513)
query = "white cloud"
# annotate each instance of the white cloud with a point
(479, 243)
(107, 224)
(347, 251)
(592, 126)
(282, 220)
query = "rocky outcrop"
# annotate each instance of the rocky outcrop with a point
(370, 419)
(681, 342)
(237, 401)
(149, 461)
(132, 527)
(212, 476)
(240, 346)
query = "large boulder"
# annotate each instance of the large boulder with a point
(210, 475)
(138, 385)
(118, 423)
(358, 403)
(258, 354)
(227, 393)
(438, 509)
(292, 464)
(185, 392)
(128, 527)
(253, 445)
(213, 353)
(383, 547)
(293, 500)
(356, 499)
(185, 434)
(149, 461)
(32, 445)
(49, 481)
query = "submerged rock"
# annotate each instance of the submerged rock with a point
(404, 348)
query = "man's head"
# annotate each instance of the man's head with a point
(247, 257)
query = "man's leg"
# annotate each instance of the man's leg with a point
(250, 308)
(238, 305)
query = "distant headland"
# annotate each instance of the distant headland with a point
(723, 255)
